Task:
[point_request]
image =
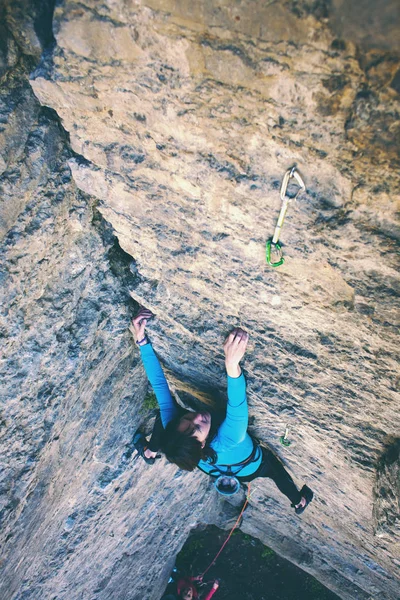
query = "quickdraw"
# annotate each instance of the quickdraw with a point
(284, 438)
(273, 245)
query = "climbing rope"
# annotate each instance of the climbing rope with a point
(200, 577)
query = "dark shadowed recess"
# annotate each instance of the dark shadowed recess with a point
(247, 569)
(386, 510)
(368, 23)
(38, 12)
(43, 22)
(26, 35)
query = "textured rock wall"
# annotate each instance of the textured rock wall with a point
(71, 385)
(160, 185)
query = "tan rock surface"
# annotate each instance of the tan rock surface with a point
(183, 118)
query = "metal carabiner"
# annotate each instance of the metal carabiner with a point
(273, 245)
(284, 438)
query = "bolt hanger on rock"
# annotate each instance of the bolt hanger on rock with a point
(273, 246)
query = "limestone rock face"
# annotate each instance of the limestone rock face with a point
(145, 167)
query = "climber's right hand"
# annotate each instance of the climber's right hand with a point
(235, 348)
(139, 325)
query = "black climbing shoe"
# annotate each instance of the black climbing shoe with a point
(140, 443)
(308, 495)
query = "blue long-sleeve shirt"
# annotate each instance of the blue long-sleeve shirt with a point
(232, 443)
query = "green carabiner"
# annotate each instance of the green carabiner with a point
(273, 242)
(284, 439)
(278, 249)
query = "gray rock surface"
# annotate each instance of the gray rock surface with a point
(145, 168)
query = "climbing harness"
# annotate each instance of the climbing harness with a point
(273, 245)
(283, 439)
(226, 482)
(200, 577)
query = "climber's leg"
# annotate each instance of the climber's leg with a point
(148, 450)
(272, 467)
(155, 440)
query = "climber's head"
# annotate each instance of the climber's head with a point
(195, 424)
(187, 589)
(187, 594)
(185, 439)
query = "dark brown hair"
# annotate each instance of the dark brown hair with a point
(183, 449)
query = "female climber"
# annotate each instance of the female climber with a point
(195, 439)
